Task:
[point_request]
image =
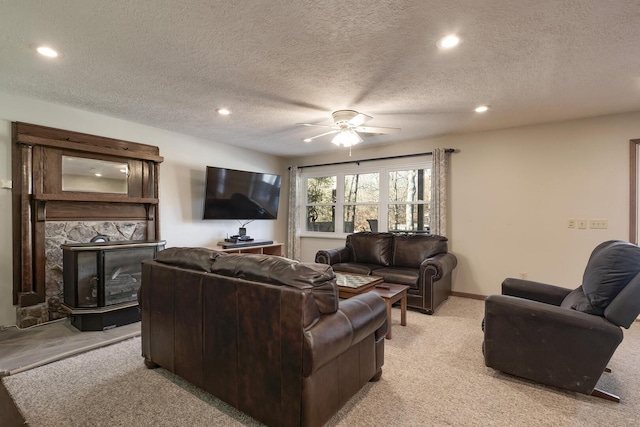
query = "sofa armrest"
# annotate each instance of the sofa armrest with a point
(535, 291)
(440, 265)
(333, 334)
(333, 256)
(545, 343)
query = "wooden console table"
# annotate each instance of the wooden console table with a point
(271, 249)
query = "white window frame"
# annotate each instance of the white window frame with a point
(383, 167)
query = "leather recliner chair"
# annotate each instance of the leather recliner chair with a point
(561, 337)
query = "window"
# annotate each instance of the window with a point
(361, 196)
(321, 204)
(376, 198)
(409, 195)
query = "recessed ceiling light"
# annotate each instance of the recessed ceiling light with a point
(47, 51)
(223, 111)
(448, 42)
(481, 108)
(307, 140)
(98, 174)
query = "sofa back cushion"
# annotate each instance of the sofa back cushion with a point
(612, 265)
(370, 247)
(319, 278)
(199, 259)
(411, 249)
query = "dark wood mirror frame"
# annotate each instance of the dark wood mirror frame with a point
(37, 195)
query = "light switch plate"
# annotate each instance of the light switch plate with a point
(6, 183)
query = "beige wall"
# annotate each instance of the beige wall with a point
(512, 192)
(181, 179)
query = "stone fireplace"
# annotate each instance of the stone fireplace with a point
(59, 197)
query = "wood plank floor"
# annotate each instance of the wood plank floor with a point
(29, 348)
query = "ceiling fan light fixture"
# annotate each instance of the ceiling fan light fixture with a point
(347, 138)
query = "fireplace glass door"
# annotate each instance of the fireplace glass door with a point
(105, 274)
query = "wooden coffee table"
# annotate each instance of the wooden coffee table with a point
(392, 293)
(351, 284)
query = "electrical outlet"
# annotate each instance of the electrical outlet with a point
(581, 223)
(571, 223)
(598, 223)
(523, 276)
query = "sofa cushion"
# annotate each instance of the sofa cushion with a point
(401, 276)
(611, 266)
(411, 249)
(578, 301)
(319, 278)
(350, 267)
(199, 259)
(370, 248)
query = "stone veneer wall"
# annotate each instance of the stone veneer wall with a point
(68, 232)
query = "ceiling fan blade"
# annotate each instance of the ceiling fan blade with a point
(371, 129)
(318, 136)
(359, 119)
(320, 126)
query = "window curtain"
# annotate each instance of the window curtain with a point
(439, 192)
(293, 226)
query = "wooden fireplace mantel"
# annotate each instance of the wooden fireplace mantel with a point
(37, 195)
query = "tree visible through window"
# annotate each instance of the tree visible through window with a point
(409, 195)
(361, 196)
(321, 204)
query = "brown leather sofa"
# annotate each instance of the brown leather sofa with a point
(263, 333)
(420, 261)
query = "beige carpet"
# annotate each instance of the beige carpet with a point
(434, 375)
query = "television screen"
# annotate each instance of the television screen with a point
(235, 194)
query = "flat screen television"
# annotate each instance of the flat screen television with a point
(243, 195)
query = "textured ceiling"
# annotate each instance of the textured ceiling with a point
(277, 63)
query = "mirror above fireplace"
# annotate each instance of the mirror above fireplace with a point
(94, 176)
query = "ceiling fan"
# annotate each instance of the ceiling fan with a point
(347, 125)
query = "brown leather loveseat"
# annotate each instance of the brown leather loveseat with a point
(263, 333)
(420, 261)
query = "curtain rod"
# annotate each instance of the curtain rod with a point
(429, 153)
